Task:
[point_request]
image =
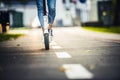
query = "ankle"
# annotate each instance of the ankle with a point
(49, 26)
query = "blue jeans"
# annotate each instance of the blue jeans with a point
(51, 11)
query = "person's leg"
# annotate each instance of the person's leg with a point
(40, 11)
(51, 12)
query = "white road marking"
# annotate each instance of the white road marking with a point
(62, 55)
(56, 47)
(53, 43)
(77, 71)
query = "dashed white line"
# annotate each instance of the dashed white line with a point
(76, 71)
(56, 47)
(62, 55)
(72, 71)
(53, 43)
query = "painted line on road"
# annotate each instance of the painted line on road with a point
(76, 71)
(62, 55)
(56, 47)
(53, 43)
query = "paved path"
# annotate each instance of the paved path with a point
(74, 54)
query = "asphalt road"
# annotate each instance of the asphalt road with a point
(74, 54)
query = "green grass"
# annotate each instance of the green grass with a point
(104, 29)
(5, 37)
(20, 28)
(10, 35)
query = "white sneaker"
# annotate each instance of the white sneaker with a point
(50, 35)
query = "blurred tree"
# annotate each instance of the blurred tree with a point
(6, 1)
(2, 0)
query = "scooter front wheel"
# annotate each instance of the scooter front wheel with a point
(46, 40)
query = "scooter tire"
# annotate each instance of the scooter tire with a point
(46, 41)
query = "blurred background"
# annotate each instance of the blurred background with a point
(23, 13)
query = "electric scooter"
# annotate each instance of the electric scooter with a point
(45, 29)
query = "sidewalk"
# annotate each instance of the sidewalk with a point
(97, 35)
(26, 59)
(104, 36)
(33, 36)
(30, 42)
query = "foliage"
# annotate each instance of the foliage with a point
(4, 37)
(104, 29)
